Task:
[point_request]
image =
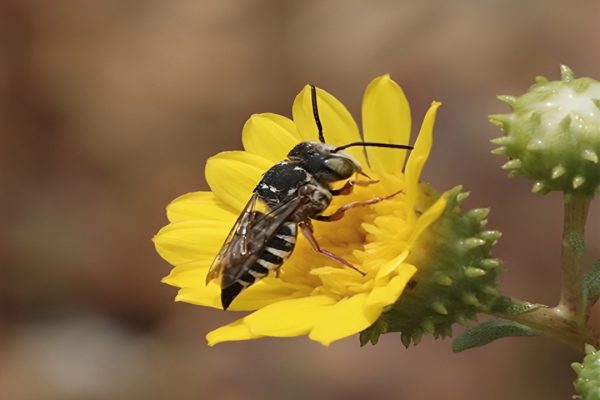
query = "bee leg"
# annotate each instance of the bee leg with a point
(307, 230)
(349, 186)
(339, 213)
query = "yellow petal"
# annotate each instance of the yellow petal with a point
(289, 317)
(199, 205)
(336, 278)
(347, 317)
(271, 136)
(392, 265)
(208, 295)
(338, 125)
(235, 331)
(233, 175)
(386, 119)
(267, 291)
(181, 242)
(192, 274)
(418, 157)
(382, 296)
(259, 295)
(427, 218)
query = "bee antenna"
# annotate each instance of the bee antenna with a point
(313, 94)
(373, 144)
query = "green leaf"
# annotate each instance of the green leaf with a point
(507, 306)
(590, 285)
(489, 331)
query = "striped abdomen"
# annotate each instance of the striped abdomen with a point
(276, 251)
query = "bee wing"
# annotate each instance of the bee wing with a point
(248, 237)
(236, 243)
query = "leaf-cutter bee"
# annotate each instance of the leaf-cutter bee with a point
(291, 194)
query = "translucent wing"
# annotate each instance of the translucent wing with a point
(248, 238)
(236, 243)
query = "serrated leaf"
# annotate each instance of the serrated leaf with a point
(489, 331)
(507, 306)
(590, 285)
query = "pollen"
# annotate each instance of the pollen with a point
(364, 235)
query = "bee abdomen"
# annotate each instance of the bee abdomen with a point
(277, 250)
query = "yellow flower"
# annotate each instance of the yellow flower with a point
(313, 295)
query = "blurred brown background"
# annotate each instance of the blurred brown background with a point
(108, 110)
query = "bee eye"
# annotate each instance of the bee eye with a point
(344, 168)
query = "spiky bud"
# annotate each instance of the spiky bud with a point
(456, 277)
(552, 135)
(587, 383)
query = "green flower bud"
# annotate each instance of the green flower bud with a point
(587, 383)
(456, 277)
(553, 134)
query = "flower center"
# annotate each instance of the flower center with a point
(365, 237)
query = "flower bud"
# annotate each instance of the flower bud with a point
(587, 383)
(456, 277)
(552, 135)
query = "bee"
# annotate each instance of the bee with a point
(288, 196)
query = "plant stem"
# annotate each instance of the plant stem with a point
(575, 216)
(567, 321)
(554, 322)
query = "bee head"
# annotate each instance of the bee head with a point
(324, 162)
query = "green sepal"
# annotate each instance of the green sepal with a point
(456, 277)
(489, 331)
(371, 335)
(590, 286)
(587, 383)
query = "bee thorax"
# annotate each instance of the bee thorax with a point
(319, 198)
(281, 182)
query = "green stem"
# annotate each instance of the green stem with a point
(554, 322)
(567, 321)
(575, 216)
